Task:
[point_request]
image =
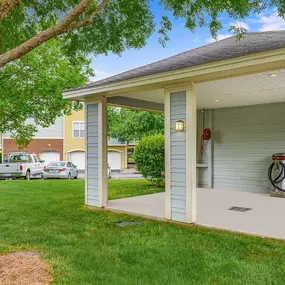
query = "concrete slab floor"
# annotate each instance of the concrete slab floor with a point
(265, 219)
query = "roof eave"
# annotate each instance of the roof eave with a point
(259, 62)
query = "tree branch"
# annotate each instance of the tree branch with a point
(6, 6)
(66, 25)
(88, 18)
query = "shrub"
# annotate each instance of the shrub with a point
(149, 158)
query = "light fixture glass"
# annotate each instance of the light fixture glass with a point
(217, 101)
(179, 126)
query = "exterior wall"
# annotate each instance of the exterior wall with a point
(54, 131)
(123, 150)
(36, 146)
(70, 143)
(78, 144)
(202, 171)
(244, 139)
(45, 140)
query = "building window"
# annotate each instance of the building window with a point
(79, 129)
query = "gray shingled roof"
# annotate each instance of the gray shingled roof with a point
(225, 49)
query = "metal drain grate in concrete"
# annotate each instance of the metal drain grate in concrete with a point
(124, 224)
(239, 209)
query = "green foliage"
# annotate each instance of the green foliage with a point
(122, 24)
(204, 13)
(32, 87)
(166, 26)
(132, 125)
(149, 158)
(24, 135)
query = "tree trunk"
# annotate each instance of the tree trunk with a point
(6, 6)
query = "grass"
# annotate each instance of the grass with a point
(86, 246)
(129, 188)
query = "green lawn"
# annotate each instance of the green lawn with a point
(129, 188)
(86, 246)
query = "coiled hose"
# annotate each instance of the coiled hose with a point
(280, 178)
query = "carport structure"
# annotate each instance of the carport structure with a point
(239, 83)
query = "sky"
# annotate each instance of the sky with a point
(181, 39)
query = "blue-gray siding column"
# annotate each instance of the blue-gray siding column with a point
(178, 157)
(96, 155)
(180, 169)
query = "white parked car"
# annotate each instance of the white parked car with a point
(60, 169)
(22, 165)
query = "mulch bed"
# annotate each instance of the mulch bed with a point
(24, 268)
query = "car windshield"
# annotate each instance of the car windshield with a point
(56, 164)
(19, 158)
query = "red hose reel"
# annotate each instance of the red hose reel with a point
(207, 134)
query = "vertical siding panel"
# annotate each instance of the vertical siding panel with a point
(178, 158)
(244, 140)
(92, 198)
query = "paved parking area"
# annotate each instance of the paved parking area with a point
(118, 175)
(265, 217)
(126, 175)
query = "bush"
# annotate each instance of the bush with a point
(149, 158)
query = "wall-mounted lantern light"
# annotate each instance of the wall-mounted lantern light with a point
(179, 126)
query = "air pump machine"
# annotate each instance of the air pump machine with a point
(276, 172)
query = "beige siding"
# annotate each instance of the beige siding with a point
(70, 143)
(78, 144)
(123, 151)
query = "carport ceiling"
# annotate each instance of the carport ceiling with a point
(251, 89)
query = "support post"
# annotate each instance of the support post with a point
(191, 152)
(96, 171)
(167, 146)
(180, 154)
